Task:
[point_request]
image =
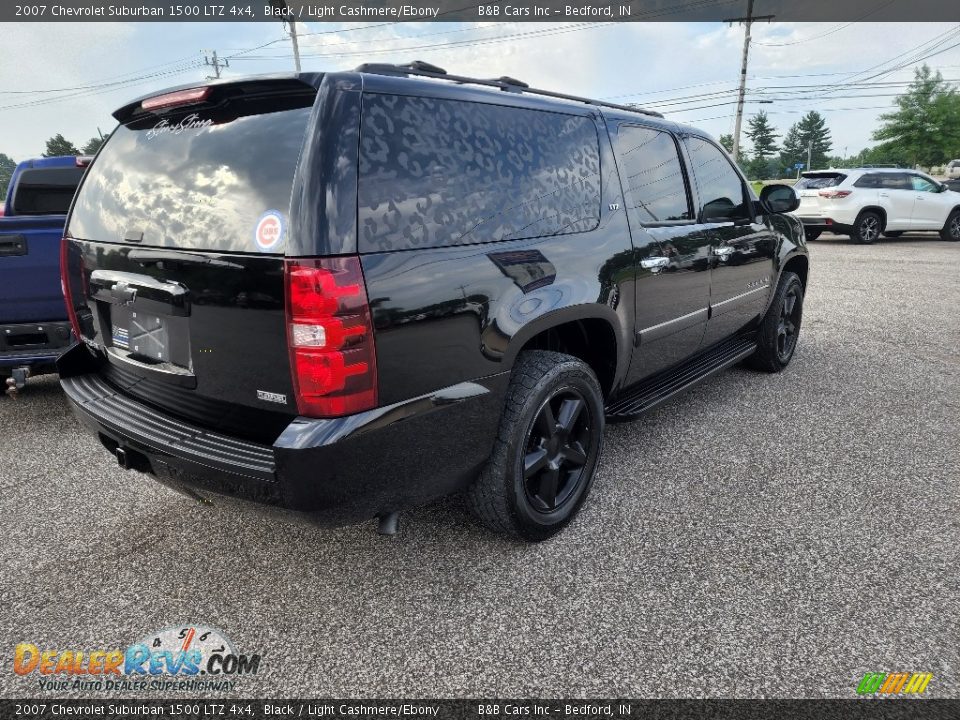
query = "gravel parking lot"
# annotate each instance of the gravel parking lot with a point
(763, 535)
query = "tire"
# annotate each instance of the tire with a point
(951, 228)
(534, 505)
(867, 227)
(812, 234)
(893, 234)
(780, 327)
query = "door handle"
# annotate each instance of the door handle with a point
(886, 195)
(654, 264)
(722, 251)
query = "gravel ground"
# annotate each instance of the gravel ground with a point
(762, 535)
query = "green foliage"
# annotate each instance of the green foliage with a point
(764, 141)
(812, 128)
(7, 166)
(93, 144)
(727, 141)
(58, 145)
(925, 127)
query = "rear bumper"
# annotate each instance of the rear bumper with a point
(34, 345)
(825, 224)
(331, 471)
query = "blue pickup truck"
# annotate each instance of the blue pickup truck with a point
(34, 328)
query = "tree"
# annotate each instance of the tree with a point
(7, 166)
(810, 131)
(93, 144)
(59, 145)
(727, 142)
(763, 139)
(925, 127)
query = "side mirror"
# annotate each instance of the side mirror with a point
(779, 199)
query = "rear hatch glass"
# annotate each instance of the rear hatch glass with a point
(808, 188)
(199, 179)
(177, 242)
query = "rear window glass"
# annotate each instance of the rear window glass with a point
(886, 181)
(210, 179)
(45, 191)
(818, 182)
(445, 172)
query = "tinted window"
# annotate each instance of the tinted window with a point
(895, 181)
(721, 190)
(444, 172)
(203, 180)
(921, 184)
(45, 191)
(819, 181)
(653, 174)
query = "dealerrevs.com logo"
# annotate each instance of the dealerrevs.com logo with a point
(188, 657)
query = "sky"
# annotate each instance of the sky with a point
(68, 77)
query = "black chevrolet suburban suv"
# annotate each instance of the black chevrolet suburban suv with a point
(349, 293)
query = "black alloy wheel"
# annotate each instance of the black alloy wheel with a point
(544, 458)
(789, 325)
(779, 330)
(558, 444)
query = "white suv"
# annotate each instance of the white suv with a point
(866, 202)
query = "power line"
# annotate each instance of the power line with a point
(835, 29)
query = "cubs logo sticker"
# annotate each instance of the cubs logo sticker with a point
(269, 231)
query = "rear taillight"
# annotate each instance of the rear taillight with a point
(834, 194)
(330, 335)
(65, 285)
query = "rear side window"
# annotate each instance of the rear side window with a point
(819, 181)
(722, 194)
(209, 179)
(654, 175)
(896, 181)
(45, 191)
(868, 181)
(445, 172)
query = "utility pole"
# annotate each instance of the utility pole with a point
(282, 9)
(296, 47)
(809, 154)
(747, 22)
(217, 64)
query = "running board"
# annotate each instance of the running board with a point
(654, 391)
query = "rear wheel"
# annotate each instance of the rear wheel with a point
(546, 451)
(951, 229)
(780, 327)
(867, 227)
(812, 234)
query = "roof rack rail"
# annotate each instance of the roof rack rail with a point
(508, 84)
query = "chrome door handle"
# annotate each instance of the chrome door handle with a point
(722, 250)
(654, 264)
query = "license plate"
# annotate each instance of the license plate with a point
(808, 193)
(141, 334)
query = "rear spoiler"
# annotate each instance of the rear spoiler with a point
(220, 92)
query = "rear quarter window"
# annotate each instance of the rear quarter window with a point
(436, 172)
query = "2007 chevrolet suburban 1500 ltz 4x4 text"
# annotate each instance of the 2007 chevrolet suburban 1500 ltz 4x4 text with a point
(350, 293)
